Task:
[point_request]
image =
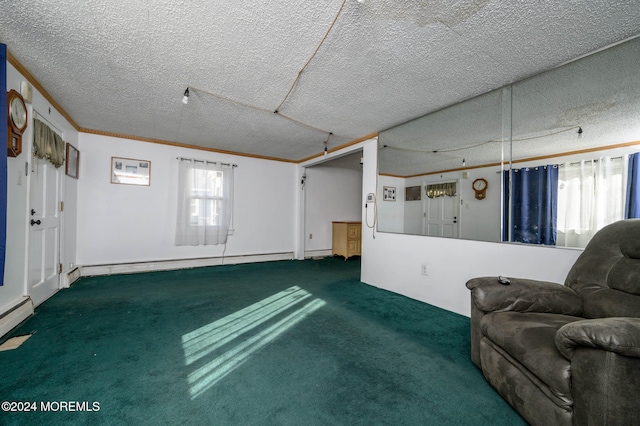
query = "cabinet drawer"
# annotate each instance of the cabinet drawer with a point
(354, 248)
(353, 232)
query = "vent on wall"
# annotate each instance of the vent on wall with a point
(14, 316)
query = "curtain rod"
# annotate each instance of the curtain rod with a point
(206, 161)
(595, 160)
(37, 115)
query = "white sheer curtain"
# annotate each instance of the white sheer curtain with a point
(205, 202)
(591, 195)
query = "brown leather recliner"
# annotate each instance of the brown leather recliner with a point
(566, 354)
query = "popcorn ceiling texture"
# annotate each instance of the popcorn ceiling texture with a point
(122, 66)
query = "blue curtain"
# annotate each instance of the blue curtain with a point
(632, 207)
(534, 205)
(3, 159)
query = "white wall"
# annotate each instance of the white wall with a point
(393, 261)
(15, 276)
(414, 210)
(391, 213)
(332, 194)
(125, 223)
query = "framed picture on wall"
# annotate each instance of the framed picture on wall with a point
(389, 193)
(412, 193)
(73, 161)
(129, 171)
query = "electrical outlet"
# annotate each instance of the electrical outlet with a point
(425, 269)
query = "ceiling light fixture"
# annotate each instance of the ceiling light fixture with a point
(185, 98)
(326, 143)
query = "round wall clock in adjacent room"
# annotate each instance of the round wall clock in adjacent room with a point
(17, 116)
(480, 187)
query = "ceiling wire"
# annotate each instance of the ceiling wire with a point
(461, 148)
(256, 108)
(295, 82)
(307, 125)
(224, 98)
(293, 85)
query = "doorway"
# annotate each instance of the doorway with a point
(441, 213)
(44, 267)
(333, 193)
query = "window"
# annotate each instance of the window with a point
(591, 195)
(205, 202)
(581, 198)
(206, 197)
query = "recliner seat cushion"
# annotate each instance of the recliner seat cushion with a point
(607, 302)
(529, 338)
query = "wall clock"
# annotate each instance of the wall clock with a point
(480, 188)
(17, 116)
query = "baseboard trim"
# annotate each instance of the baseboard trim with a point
(314, 253)
(167, 265)
(14, 316)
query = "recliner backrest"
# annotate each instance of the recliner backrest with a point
(607, 273)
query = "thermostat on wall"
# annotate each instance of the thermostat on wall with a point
(26, 91)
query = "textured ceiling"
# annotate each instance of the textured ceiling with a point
(122, 67)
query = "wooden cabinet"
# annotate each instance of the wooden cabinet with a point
(347, 239)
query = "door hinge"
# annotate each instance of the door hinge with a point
(61, 206)
(59, 268)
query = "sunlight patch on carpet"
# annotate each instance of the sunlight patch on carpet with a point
(205, 341)
(14, 342)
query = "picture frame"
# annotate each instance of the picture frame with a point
(72, 166)
(412, 193)
(389, 193)
(130, 171)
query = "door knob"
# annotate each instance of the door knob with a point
(35, 222)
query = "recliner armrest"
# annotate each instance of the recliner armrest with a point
(524, 295)
(619, 334)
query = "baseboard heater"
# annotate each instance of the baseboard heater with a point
(72, 277)
(14, 316)
(317, 253)
(165, 265)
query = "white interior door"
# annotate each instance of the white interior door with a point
(442, 216)
(43, 278)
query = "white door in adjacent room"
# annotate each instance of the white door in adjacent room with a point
(43, 278)
(442, 216)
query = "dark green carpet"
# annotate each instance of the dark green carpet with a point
(162, 348)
